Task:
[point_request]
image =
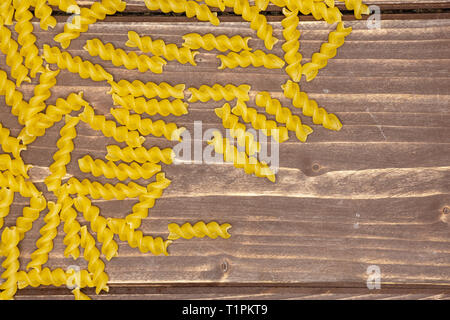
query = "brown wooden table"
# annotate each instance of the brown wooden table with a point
(375, 193)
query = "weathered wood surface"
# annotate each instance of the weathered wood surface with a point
(375, 193)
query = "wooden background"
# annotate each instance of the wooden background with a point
(375, 193)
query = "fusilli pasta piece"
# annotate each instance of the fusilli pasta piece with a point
(78, 295)
(110, 129)
(6, 199)
(10, 144)
(122, 171)
(106, 191)
(291, 46)
(190, 8)
(309, 107)
(199, 230)
(257, 58)
(15, 166)
(30, 214)
(319, 10)
(75, 64)
(327, 51)
(160, 48)
(149, 90)
(215, 4)
(71, 225)
(87, 16)
(136, 239)
(141, 154)
(56, 277)
(152, 107)
(260, 122)
(218, 92)
(119, 57)
(240, 160)
(357, 6)
(7, 12)
(210, 42)
(18, 184)
(238, 130)
(44, 13)
(10, 241)
(283, 115)
(147, 126)
(13, 97)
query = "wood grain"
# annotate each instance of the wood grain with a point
(374, 193)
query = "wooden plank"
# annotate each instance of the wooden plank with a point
(374, 193)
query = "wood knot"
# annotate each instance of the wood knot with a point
(446, 210)
(315, 167)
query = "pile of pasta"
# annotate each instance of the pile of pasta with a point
(134, 101)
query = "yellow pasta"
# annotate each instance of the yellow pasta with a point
(48, 233)
(238, 130)
(110, 129)
(7, 12)
(119, 57)
(357, 6)
(122, 171)
(136, 239)
(255, 58)
(141, 154)
(38, 124)
(26, 39)
(283, 115)
(98, 224)
(190, 8)
(260, 122)
(10, 144)
(319, 10)
(210, 42)
(258, 22)
(14, 59)
(18, 184)
(6, 199)
(78, 295)
(240, 160)
(44, 13)
(62, 156)
(149, 90)
(75, 64)
(147, 126)
(71, 225)
(262, 4)
(215, 3)
(327, 51)
(95, 265)
(160, 48)
(42, 92)
(106, 191)
(15, 166)
(147, 200)
(10, 241)
(309, 107)
(152, 107)
(218, 92)
(87, 16)
(291, 46)
(30, 214)
(199, 230)
(13, 97)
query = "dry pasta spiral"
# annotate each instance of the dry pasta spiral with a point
(75, 64)
(18, 184)
(309, 107)
(149, 90)
(240, 160)
(152, 107)
(87, 16)
(95, 265)
(327, 51)
(190, 8)
(62, 156)
(30, 214)
(258, 22)
(215, 4)
(105, 191)
(71, 225)
(48, 232)
(136, 239)
(10, 241)
(10, 144)
(119, 57)
(13, 97)
(283, 115)
(260, 122)
(141, 154)
(44, 13)
(291, 46)
(56, 277)
(210, 42)
(122, 171)
(199, 230)
(14, 59)
(357, 6)
(15, 166)
(6, 199)
(147, 126)
(257, 58)
(218, 92)
(78, 295)
(7, 12)
(98, 224)
(160, 48)
(110, 129)
(319, 10)
(238, 130)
